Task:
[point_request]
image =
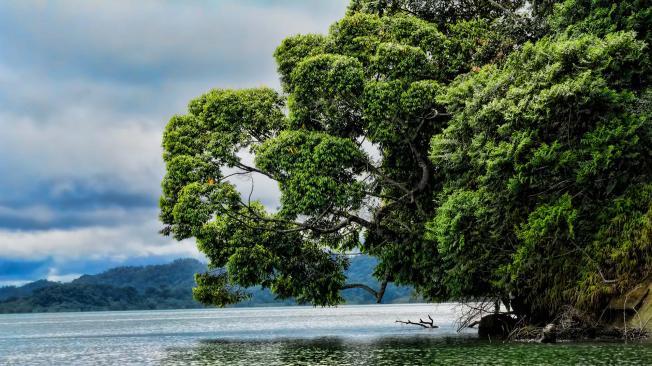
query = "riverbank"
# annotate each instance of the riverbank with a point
(625, 318)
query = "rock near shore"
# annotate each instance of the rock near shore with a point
(496, 326)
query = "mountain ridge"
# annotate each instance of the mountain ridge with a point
(160, 286)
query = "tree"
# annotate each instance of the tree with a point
(457, 150)
(548, 168)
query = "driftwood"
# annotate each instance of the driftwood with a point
(424, 324)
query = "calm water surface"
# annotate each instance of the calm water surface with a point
(347, 335)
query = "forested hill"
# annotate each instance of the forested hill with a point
(178, 274)
(167, 286)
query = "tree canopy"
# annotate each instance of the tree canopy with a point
(478, 149)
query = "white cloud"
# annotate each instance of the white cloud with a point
(36, 213)
(73, 104)
(93, 243)
(198, 36)
(16, 283)
(86, 88)
(72, 149)
(53, 275)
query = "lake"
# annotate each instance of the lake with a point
(346, 335)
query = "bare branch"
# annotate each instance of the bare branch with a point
(233, 174)
(424, 324)
(251, 169)
(376, 171)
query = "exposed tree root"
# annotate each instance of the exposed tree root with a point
(573, 325)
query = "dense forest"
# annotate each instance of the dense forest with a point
(481, 150)
(167, 286)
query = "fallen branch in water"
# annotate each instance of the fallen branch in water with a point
(421, 323)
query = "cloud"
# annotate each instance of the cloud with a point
(53, 275)
(93, 242)
(18, 270)
(86, 88)
(148, 41)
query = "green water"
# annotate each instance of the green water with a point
(347, 335)
(409, 352)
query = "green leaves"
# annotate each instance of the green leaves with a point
(214, 289)
(544, 143)
(546, 225)
(479, 151)
(395, 61)
(200, 145)
(326, 89)
(295, 49)
(316, 171)
(396, 111)
(182, 136)
(223, 112)
(356, 36)
(250, 266)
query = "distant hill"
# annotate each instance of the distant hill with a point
(178, 274)
(166, 286)
(26, 290)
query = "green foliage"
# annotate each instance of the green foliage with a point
(480, 149)
(325, 91)
(621, 244)
(315, 171)
(551, 140)
(463, 232)
(372, 80)
(601, 17)
(215, 289)
(294, 50)
(165, 286)
(438, 11)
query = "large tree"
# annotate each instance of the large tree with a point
(547, 166)
(490, 149)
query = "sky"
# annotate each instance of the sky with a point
(86, 88)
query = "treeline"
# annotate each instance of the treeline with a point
(81, 297)
(167, 286)
(157, 287)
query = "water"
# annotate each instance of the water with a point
(347, 335)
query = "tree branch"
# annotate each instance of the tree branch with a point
(424, 324)
(507, 11)
(376, 171)
(251, 169)
(425, 171)
(370, 290)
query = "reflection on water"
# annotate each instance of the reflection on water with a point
(347, 335)
(406, 351)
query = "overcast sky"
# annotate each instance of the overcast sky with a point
(86, 88)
